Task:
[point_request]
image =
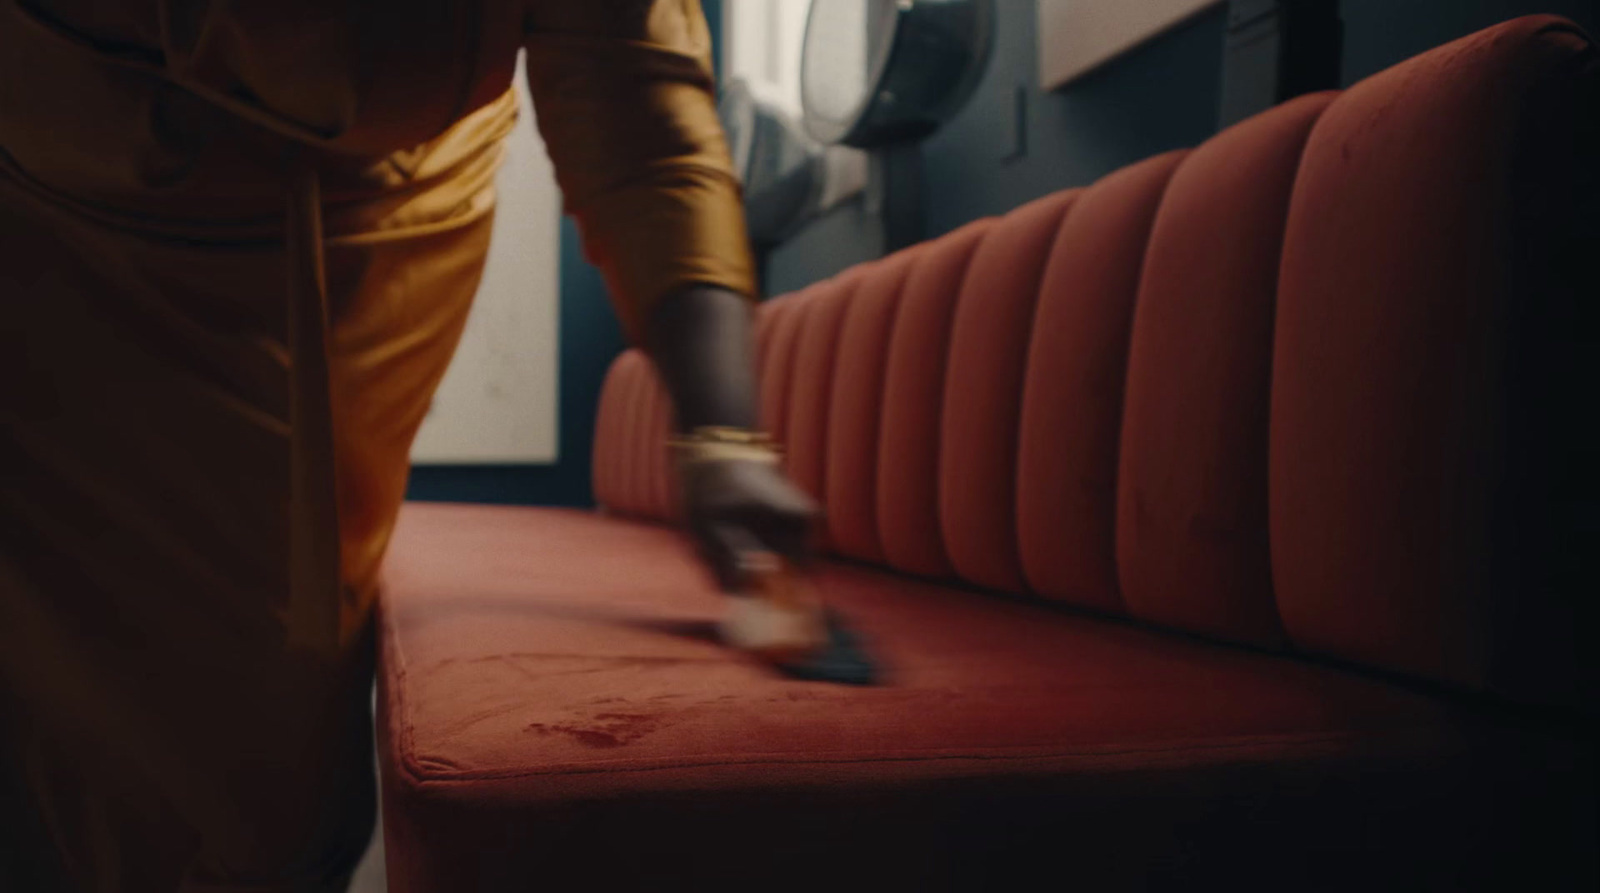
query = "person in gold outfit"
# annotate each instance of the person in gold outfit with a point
(238, 243)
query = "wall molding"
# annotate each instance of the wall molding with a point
(1078, 36)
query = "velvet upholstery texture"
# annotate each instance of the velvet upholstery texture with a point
(1077, 356)
(1192, 489)
(554, 721)
(1378, 301)
(1222, 522)
(1432, 484)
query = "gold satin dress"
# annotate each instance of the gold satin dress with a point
(238, 244)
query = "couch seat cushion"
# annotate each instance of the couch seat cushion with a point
(556, 710)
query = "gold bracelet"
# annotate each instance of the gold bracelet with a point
(721, 444)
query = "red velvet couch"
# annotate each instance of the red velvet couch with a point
(1228, 523)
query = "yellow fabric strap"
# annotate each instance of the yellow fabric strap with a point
(314, 561)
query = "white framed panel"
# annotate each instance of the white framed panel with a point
(1078, 36)
(499, 401)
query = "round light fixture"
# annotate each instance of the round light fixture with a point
(877, 72)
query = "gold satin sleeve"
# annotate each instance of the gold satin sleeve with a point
(626, 104)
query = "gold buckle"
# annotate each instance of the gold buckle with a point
(723, 444)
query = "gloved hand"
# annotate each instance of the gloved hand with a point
(752, 524)
(742, 513)
(753, 528)
(701, 340)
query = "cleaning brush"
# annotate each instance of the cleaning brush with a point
(780, 620)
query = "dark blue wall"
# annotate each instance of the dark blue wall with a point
(1380, 33)
(1161, 97)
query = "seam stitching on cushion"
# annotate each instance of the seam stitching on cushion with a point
(1182, 156)
(439, 779)
(831, 370)
(936, 442)
(881, 359)
(1069, 205)
(1272, 357)
(944, 389)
